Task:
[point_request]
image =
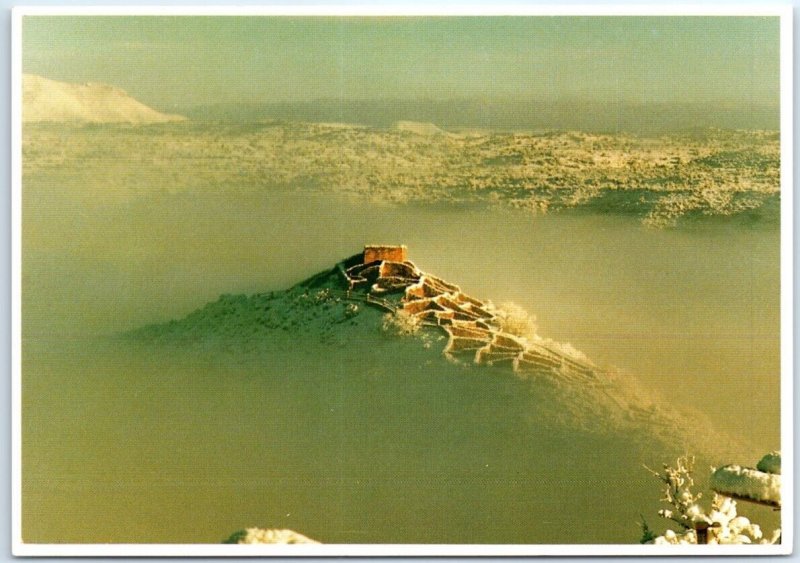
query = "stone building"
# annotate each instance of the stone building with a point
(376, 252)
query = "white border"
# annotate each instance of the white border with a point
(16, 280)
(390, 550)
(787, 278)
(431, 9)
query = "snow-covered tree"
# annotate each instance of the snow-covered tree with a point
(720, 523)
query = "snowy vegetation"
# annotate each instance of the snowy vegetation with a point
(770, 463)
(659, 179)
(515, 320)
(401, 323)
(266, 536)
(718, 524)
(748, 484)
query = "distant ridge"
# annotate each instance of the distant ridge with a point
(45, 100)
(500, 115)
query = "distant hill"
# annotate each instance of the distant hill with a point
(517, 115)
(45, 100)
(417, 128)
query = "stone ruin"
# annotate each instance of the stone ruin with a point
(473, 327)
(376, 252)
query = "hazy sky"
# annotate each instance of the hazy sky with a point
(186, 60)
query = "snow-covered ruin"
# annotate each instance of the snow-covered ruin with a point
(474, 328)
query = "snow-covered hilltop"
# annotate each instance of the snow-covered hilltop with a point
(45, 100)
(476, 330)
(382, 279)
(377, 297)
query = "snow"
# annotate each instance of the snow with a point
(261, 536)
(418, 128)
(47, 100)
(661, 181)
(747, 483)
(722, 524)
(770, 463)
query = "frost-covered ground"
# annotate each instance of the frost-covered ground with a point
(660, 179)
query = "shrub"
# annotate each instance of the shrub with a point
(401, 323)
(513, 319)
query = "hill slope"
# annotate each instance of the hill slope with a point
(46, 100)
(356, 305)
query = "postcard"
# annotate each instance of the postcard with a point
(317, 280)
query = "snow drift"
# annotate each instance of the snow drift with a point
(45, 100)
